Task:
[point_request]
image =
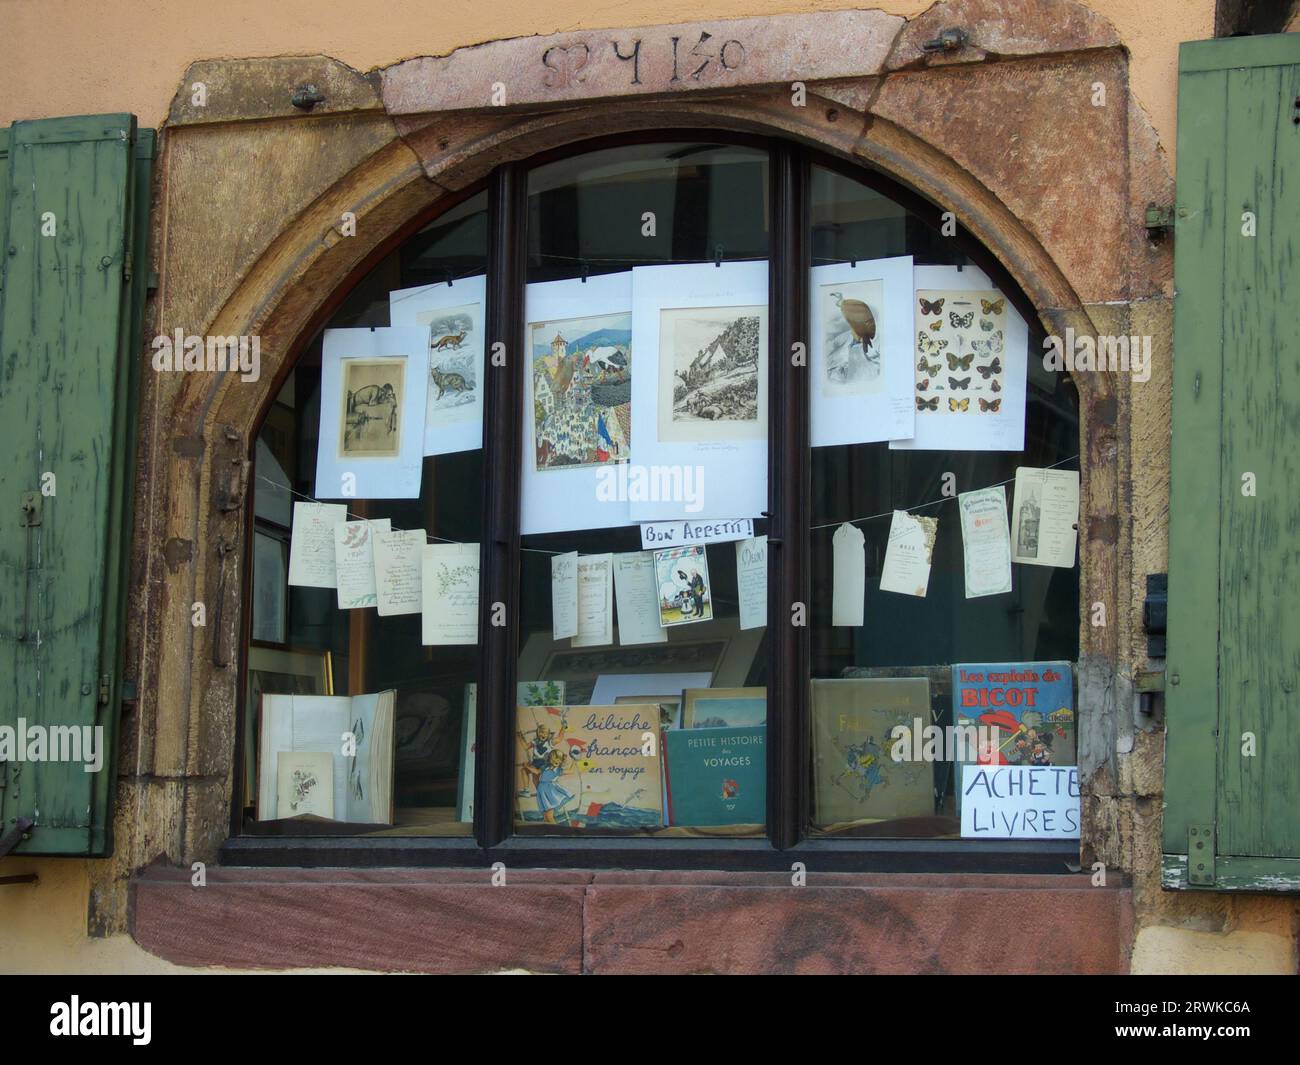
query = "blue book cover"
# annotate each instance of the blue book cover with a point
(716, 776)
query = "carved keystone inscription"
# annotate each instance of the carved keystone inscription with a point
(728, 53)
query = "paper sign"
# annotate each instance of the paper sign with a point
(311, 550)
(907, 558)
(354, 561)
(397, 571)
(564, 596)
(1019, 802)
(1045, 515)
(638, 603)
(850, 566)
(986, 541)
(449, 594)
(595, 601)
(655, 535)
(751, 581)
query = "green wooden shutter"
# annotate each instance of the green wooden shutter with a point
(74, 222)
(1232, 818)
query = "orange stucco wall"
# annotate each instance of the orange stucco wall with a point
(69, 57)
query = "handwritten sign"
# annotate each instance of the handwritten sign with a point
(655, 535)
(1019, 802)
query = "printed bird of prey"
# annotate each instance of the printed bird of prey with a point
(861, 321)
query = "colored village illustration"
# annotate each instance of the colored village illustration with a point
(582, 392)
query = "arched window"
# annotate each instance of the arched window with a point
(604, 505)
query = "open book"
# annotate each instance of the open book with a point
(361, 784)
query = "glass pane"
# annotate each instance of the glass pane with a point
(892, 668)
(642, 673)
(418, 775)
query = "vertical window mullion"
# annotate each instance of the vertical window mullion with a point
(499, 580)
(788, 479)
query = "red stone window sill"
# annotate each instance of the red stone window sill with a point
(456, 921)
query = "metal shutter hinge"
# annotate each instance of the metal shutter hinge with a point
(1200, 856)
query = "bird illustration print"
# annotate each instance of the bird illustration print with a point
(860, 319)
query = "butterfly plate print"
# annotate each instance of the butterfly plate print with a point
(974, 363)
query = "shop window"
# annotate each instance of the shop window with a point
(636, 542)
(935, 608)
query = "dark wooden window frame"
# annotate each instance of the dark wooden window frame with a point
(789, 515)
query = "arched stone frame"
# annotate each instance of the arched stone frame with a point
(193, 672)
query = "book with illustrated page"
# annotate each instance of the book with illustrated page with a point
(299, 731)
(305, 783)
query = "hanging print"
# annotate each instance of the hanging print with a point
(685, 592)
(860, 352)
(582, 391)
(969, 364)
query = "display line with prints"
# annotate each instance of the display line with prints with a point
(932, 502)
(357, 517)
(824, 525)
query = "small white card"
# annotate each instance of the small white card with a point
(449, 594)
(354, 560)
(848, 602)
(595, 601)
(397, 571)
(311, 550)
(564, 596)
(986, 541)
(1045, 517)
(908, 556)
(751, 581)
(637, 598)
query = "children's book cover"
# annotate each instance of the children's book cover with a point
(1028, 706)
(854, 776)
(588, 767)
(716, 776)
(1025, 708)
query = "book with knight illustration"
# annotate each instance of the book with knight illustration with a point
(854, 777)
